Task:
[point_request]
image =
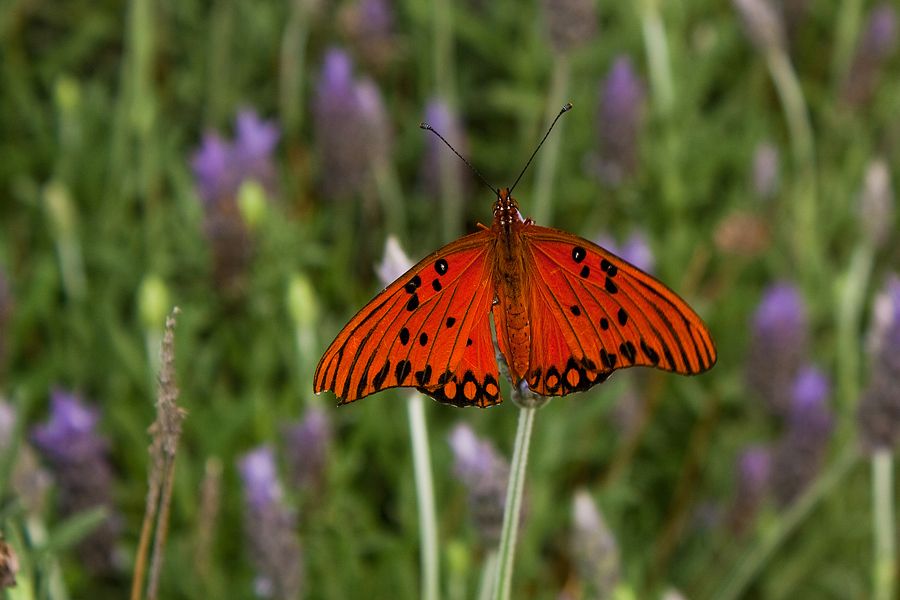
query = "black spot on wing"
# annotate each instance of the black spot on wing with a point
(381, 375)
(402, 371)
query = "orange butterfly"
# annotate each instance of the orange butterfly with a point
(567, 314)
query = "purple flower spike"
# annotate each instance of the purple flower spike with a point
(801, 451)
(445, 121)
(260, 478)
(369, 25)
(69, 434)
(485, 474)
(765, 171)
(270, 527)
(619, 120)
(779, 339)
(255, 141)
(306, 445)
(594, 548)
(879, 408)
(212, 168)
(351, 124)
(876, 44)
(570, 23)
(79, 460)
(754, 468)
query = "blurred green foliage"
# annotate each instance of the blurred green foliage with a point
(102, 105)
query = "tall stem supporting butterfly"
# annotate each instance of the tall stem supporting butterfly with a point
(418, 430)
(884, 567)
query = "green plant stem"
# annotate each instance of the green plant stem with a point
(442, 48)
(418, 431)
(774, 537)
(803, 150)
(488, 576)
(847, 26)
(885, 567)
(657, 47)
(391, 198)
(549, 158)
(513, 507)
(851, 297)
(291, 69)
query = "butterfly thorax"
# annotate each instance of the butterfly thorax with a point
(509, 280)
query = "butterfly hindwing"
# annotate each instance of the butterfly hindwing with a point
(597, 313)
(416, 331)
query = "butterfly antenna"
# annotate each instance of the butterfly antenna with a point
(564, 109)
(428, 127)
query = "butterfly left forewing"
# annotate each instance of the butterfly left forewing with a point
(416, 330)
(597, 313)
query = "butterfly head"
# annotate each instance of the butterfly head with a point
(506, 209)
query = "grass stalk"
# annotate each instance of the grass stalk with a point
(513, 507)
(418, 432)
(549, 158)
(772, 539)
(883, 522)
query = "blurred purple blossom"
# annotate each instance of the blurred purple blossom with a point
(446, 122)
(877, 42)
(79, 462)
(754, 468)
(800, 453)
(765, 171)
(876, 203)
(619, 121)
(351, 126)
(306, 446)
(594, 548)
(485, 473)
(778, 345)
(220, 168)
(879, 409)
(570, 24)
(395, 262)
(369, 25)
(635, 249)
(762, 23)
(270, 527)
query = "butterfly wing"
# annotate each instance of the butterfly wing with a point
(429, 329)
(591, 313)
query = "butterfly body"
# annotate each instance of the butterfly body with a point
(567, 313)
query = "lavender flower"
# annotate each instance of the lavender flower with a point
(765, 171)
(485, 473)
(351, 126)
(619, 119)
(876, 203)
(754, 468)
(220, 169)
(801, 452)
(369, 25)
(594, 548)
(306, 445)
(395, 262)
(570, 23)
(270, 527)
(635, 249)
(876, 44)
(30, 481)
(879, 409)
(762, 23)
(446, 122)
(778, 346)
(79, 461)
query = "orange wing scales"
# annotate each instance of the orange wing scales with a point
(416, 332)
(597, 313)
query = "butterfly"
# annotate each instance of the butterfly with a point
(567, 313)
